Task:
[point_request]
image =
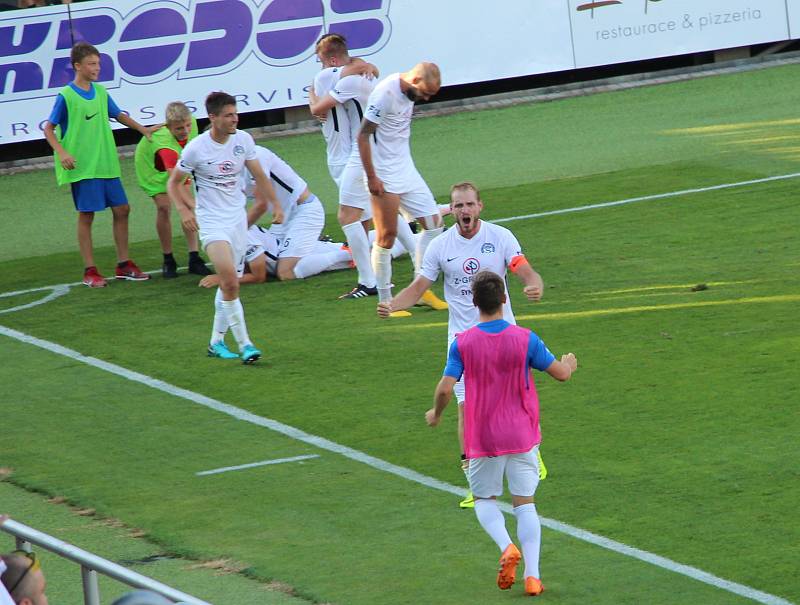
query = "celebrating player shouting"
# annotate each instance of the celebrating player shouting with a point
(460, 254)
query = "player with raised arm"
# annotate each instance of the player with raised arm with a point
(460, 254)
(216, 160)
(501, 428)
(392, 179)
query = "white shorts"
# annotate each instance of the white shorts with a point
(300, 234)
(522, 470)
(236, 236)
(335, 171)
(353, 191)
(418, 201)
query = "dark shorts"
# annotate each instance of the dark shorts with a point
(94, 195)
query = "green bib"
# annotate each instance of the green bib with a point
(89, 138)
(151, 180)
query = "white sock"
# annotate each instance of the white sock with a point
(382, 264)
(422, 244)
(529, 531)
(408, 240)
(317, 263)
(234, 312)
(220, 320)
(493, 522)
(358, 242)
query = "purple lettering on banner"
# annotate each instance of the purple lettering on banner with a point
(231, 16)
(94, 30)
(33, 35)
(154, 59)
(291, 41)
(359, 34)
(355, 6)
(27, 76)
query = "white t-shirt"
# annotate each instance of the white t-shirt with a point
(286, 182)
(217, 171)
(391, 110)
(261, 241)
(336, 127)
(492, 248)
(353, 93)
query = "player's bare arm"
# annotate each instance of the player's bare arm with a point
(67, 161)
(319, 106)
(182, 198)
(145, 131)
(408, 297)
(368, 129)
(562, 369)
(264, 196)
(442, 396)
(359, 67)
(533, 285)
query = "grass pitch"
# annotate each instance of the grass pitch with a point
(676, 436)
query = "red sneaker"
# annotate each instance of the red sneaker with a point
(130, 271)
(93, 279)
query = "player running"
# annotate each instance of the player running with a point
(502, 432)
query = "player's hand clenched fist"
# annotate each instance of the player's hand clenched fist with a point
(532, 292)
(431, 418)
(384, 309)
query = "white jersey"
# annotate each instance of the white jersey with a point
(391, 110)
(217, 171)
(262, 241)
(288, 185)
(461, 259)
(336, 127)
(353, 93)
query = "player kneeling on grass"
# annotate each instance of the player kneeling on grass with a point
(501, 422)
(155, 158)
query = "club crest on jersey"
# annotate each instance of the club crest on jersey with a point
(226, 167)
(471, 266)
(487, 248)
(238, 150)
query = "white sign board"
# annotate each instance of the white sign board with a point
(615, 31)
(262, 51)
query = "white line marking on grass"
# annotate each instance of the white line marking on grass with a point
(388, 467)
(648, 198)
(56, 292)
(255, 464)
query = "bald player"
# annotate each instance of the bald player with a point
(392, 178)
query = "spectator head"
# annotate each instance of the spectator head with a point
(23, 578)
(488, 292)
(81, 51)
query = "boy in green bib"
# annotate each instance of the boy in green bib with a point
(86, 158)
(155, 159)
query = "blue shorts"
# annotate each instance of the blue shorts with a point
(94, 195)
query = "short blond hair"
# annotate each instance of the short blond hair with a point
(465, 186)
(177, 111)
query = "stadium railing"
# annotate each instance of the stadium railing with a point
(91, 565)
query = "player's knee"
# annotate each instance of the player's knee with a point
(121, 211)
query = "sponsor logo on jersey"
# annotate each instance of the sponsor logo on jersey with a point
(226, 167)
(471, 266)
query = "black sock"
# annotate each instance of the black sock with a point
(122, 263)
(168, 258)
(194, 255)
